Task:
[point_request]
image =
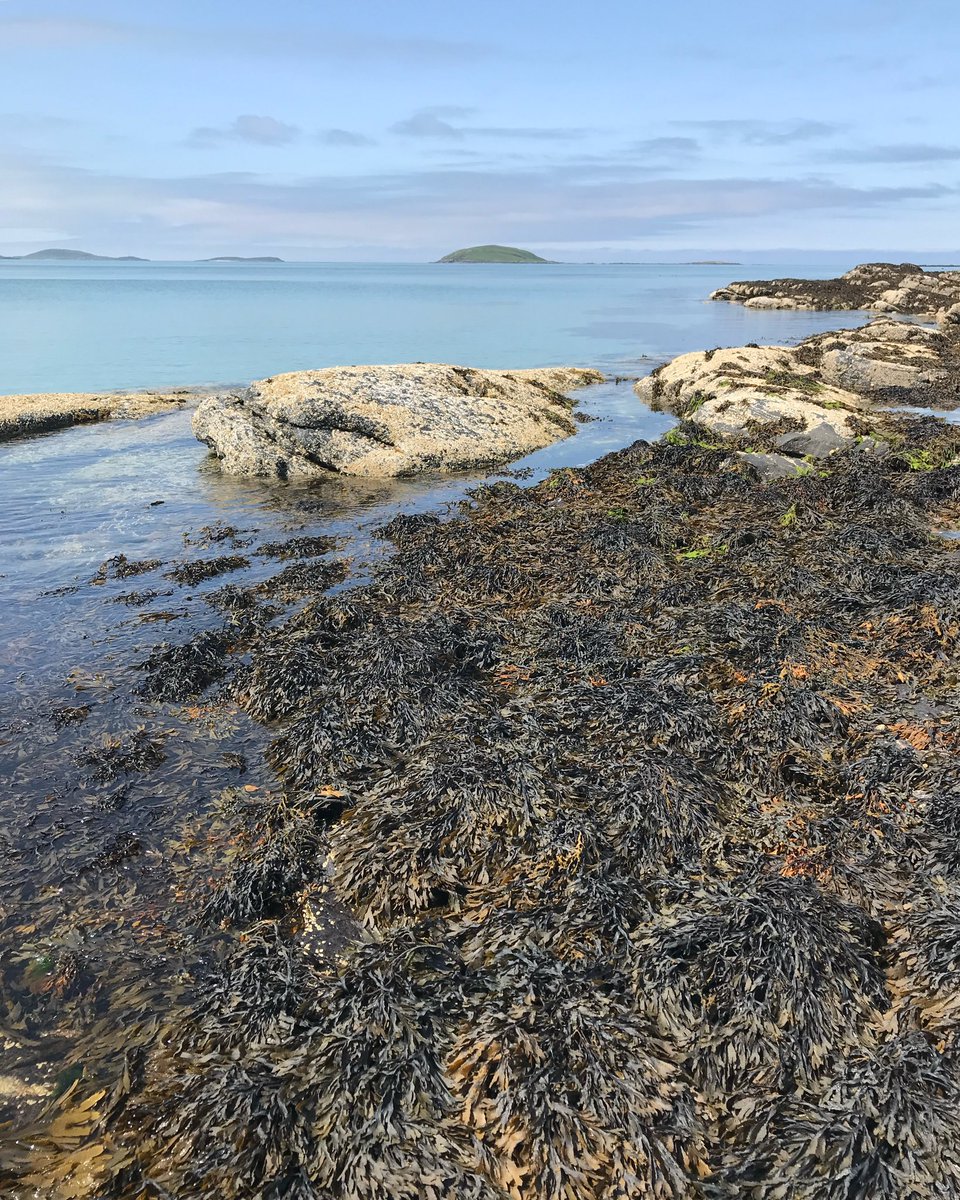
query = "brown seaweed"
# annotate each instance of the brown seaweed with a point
(614, 853)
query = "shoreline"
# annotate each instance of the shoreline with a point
(644, 772)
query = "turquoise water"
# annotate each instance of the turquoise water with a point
(80, 327)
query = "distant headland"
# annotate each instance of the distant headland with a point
(59, 255)
(72, 256)
(492, 254)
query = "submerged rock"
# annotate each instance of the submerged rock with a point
(883, 287)
(388, 420)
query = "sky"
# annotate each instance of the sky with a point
(386, 130)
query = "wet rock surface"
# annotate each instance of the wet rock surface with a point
(608, 846)
(882, 287)
(387, 420)
(22, 416)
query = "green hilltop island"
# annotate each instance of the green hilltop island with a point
(492, 254)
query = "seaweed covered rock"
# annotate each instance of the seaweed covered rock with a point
(890, 362)
(815, 398)
(883, 287)
(742, 391)
(388, 420)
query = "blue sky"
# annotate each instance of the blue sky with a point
(389, 130)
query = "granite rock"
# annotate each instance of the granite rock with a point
(388, 420)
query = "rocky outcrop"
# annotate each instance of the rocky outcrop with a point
(750, 390)
(388, 420)
(880, 287)
(817, 397)
(23, 415)
(892, 362)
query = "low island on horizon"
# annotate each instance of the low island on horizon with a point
(57, 254)
(492, 254)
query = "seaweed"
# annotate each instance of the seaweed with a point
(613, 852)
(121, 567)
(200, 569)
(300, 546)
(182, 672)
(123, 755)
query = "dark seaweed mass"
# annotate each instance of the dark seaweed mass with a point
(302, 546)
(638, 793)
(200, 569)
(121, 567)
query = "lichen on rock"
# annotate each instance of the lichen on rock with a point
(388, 420)
(815, 398)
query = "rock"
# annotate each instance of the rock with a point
(813, 399)
(773, 302)
(883, 287)
(772, 466)
(23, 415)
(388, 420)
(890, 362)
(745, 390)
(818, 440)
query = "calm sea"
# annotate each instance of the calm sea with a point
(80, 327)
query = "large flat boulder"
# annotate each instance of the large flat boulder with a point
(388, 420)
(881, 287)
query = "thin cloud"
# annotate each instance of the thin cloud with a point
(426, 125)
(900, 152)
(269, 41)
(436, 122)
(666, 148)
(552, 204)
(255, 130)
(18, 33)
(343, 137)
(763, 133)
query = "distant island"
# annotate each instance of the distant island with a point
(711, 262)
(57, 255)
(492, 254)
(73, 256)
